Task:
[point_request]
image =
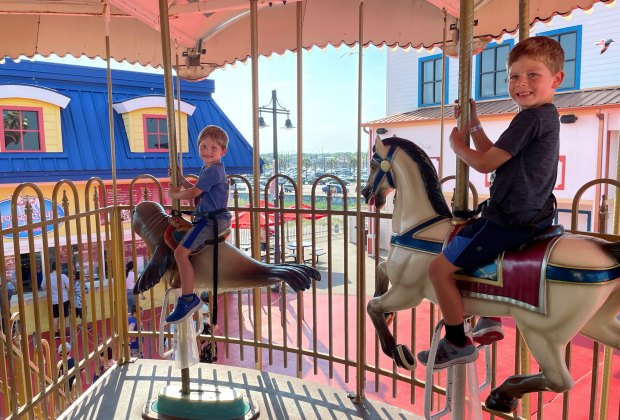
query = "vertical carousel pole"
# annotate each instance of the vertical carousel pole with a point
(299, 198)
(466, 25)
(117, 229)
(524, 353)
(172, 149)
(361, 232)
(256, 165)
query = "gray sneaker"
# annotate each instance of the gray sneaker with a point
(487, 331)
(449, 355)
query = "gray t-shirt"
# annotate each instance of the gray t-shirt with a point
(522, 185)
(212, 181)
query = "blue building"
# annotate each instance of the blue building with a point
(55, 124)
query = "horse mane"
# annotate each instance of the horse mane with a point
(428, 172)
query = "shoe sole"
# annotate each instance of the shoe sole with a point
(190, 313)
(468, 359)
(488, 336)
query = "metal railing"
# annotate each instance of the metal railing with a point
(310, 333)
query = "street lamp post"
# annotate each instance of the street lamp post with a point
(275, 108)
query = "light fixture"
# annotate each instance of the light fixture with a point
(288, 124)
(382, 130)
(568, 119)
(261, 122)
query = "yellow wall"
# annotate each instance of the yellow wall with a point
(135, 127)
(51, 120)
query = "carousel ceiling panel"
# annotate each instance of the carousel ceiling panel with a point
(218, 32)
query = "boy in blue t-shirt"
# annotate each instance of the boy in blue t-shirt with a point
(211, 212)
(525, 160)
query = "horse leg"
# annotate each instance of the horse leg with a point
(554, 376)
(396, 298)
(382, 283)
(604, 326)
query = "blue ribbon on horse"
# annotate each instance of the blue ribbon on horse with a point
(385, 168)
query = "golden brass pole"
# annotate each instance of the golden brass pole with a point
(172, 143)
(256, 189)
(299, 198)
(361, 231)
(525, 363)
(443, 92)
(117, 232)
(465, 50)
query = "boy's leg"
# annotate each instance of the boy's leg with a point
(189, 302)
(186, 270)
(455, 347)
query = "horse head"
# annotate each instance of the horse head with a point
(380, 179)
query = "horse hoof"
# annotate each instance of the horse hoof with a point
(503, 405)
(403, 357)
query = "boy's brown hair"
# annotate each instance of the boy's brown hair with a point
(539, 48)
(216, 133)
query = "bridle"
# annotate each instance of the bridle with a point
(385, 169)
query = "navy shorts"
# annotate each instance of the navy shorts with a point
(201, 232)
(481, 241)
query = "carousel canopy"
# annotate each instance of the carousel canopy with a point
(207, 34)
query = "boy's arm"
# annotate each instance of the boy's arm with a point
(483, 161)
(183, 194)
(481, 141)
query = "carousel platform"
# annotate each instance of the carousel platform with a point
(123, 391)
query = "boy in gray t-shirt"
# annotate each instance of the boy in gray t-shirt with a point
(525, 160)
(211, 214)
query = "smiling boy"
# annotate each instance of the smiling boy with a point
(521, 203)
(211, 212)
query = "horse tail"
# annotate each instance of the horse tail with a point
(298, 276)
(613, 248)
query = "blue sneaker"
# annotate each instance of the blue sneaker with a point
(184, 309)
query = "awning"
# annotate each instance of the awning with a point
(221, 28)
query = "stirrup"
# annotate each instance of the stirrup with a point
(452, 378)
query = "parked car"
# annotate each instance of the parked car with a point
(334, 188)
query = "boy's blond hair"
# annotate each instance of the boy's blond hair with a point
(216, 133)
(539, 48)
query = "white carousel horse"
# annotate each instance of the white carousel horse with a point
(236, 270)
(585, 303)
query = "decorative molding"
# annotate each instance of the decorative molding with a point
(150, 102)
(34, 92)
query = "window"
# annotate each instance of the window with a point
(492, 77)
(21, 129)
(570, 40)
(155, 133)
(146, 125)
(430, 80)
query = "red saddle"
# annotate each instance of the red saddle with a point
(516, 276)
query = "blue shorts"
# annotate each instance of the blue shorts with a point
(202, 231)
(481, 241)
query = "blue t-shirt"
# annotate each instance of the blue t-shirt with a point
(214, 185)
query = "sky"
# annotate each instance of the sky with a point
(329, 97)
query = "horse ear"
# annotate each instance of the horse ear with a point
(379, 146)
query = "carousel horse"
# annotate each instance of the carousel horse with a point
(576, 281)
(236, 270)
